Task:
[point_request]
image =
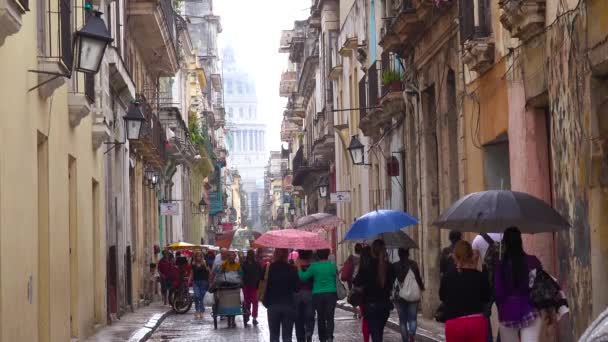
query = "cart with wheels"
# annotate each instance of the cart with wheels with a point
(228, 304)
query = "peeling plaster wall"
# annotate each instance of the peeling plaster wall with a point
(570, 151)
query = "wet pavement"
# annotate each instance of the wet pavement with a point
(184, 328)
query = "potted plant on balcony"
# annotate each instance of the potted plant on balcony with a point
(392, 81)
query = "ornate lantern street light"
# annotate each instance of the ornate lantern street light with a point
(90, 44)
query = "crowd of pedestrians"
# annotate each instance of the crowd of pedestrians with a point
(300, 289)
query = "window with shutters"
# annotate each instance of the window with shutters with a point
(65, 10)
(362, 98)
(55, 29)
(472, 26)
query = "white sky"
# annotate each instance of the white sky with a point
(253, 29)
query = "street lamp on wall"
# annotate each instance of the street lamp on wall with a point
(357, 151)
(134, 120)
(90, 44)
(323, 187)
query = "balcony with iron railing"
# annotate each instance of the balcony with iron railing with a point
(292, 41)
(288, 84)
(289, 130)
(179, 146)
(406, 23)
(381, 95)
(153, 24)
(295, 107)
(323, 137)
(475, 35)
(306, 81)
(152, 142)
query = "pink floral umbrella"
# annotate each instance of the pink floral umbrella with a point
(318, 221)
(292, 238)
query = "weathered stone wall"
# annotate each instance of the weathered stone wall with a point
(568, 93)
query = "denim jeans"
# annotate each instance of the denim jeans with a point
(377, 315)
(408, 316)
(325, 306)
(305, 315)
(200, 288)
(280, 322)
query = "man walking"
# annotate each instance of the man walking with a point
(164, 266)
(446, 261)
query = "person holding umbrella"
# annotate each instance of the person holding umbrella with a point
(464, 292)
(376, 279)
(305, 321)
(517, 315)
(407, 310)
(281, 285)
(324, 292)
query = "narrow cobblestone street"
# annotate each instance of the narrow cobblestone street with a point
(184, 328)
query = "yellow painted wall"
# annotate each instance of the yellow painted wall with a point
(485, 118)
(22, 115)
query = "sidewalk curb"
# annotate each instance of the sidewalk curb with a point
(144, 333)
(421, 334)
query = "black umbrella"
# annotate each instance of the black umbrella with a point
(493, 211)
(397, 239)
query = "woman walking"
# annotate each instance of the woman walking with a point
(376, 279)
(324, 297)
(516, 312)
(200, 278)
(305, 318)
(464, 292)
(252, 273)
(279, 298)
(365, 261)
(407, 310)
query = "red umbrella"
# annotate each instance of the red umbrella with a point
(292, 238)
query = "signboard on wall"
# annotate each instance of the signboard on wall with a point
(169, 209)
(340, 197)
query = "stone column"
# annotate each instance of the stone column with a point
(251, 141)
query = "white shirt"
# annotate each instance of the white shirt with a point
(481, 245)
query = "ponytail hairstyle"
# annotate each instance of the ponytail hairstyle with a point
(514, 256)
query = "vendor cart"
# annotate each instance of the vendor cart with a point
(228, 304)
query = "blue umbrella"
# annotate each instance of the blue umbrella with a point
(378, 222)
